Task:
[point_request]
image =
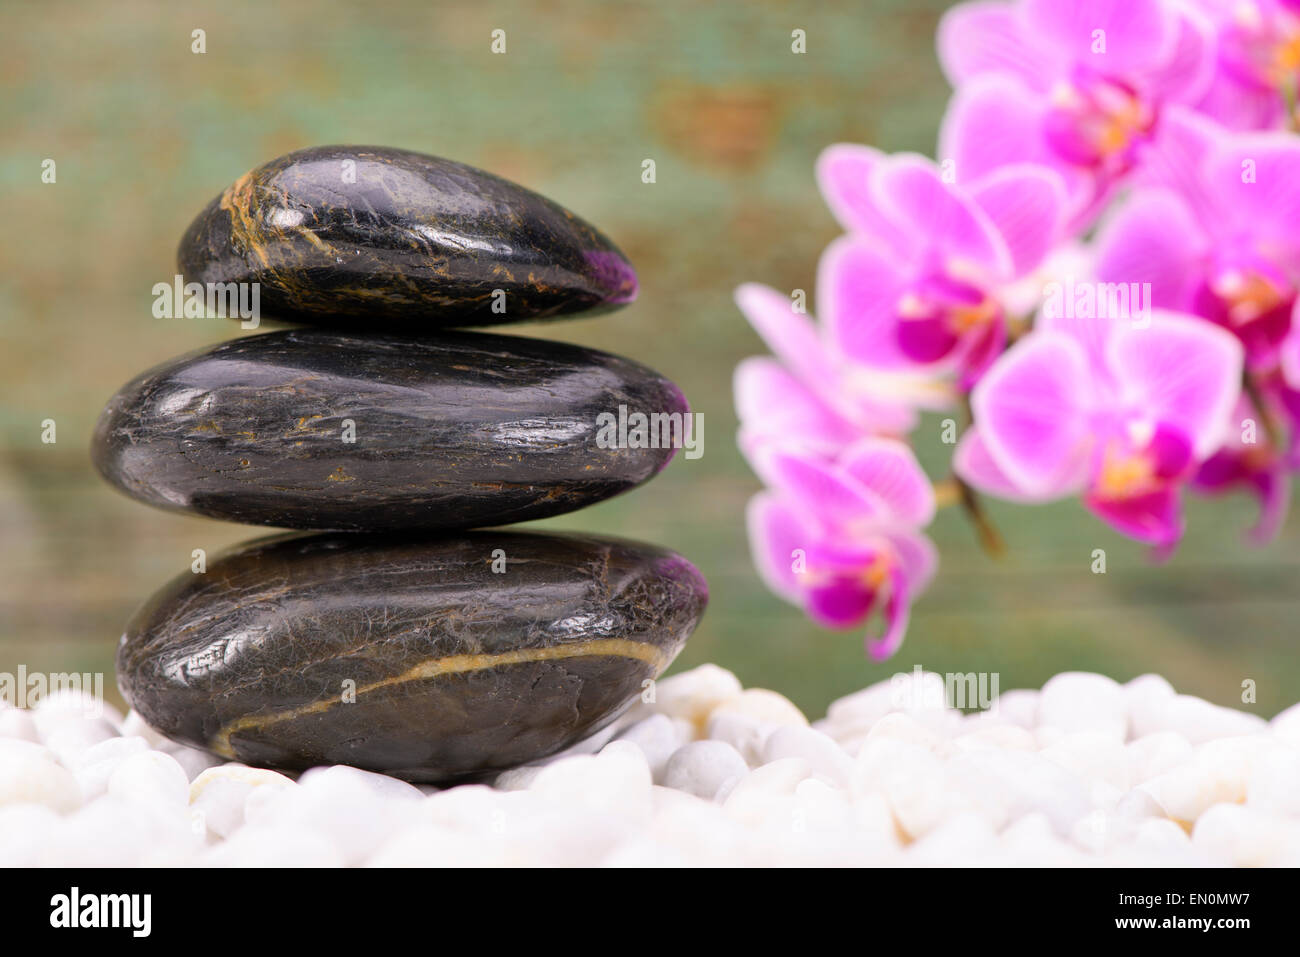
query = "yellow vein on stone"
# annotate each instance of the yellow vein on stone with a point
(452, 664)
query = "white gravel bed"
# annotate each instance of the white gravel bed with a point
(1085, 771)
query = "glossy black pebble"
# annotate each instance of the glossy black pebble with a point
(469, 430)
(420, 659)
(367, 237)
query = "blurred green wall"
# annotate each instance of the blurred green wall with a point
(144, 132)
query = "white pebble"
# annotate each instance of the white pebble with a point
(658, 736)
(25, 833)
(613, 782)
(16, 724)
(218, 795)
(133, 724)
(823, 755)
(1079, 701)
(150, 777)
(742, 732)
(518, 779)
(1085, 772)
(1199, 721)
(29, 773)
(1006, 785)
(353, 810)
(1238, 836)
(94, 766)
(913, 782)
(1285, 725)
(1153, 754)
(1274, 783)
(1092, 755)
(1018, 706)
(276, 846)
(903, 727)
(763, 706)
(704, 768)
(192, 761)
(65, 704)
(691, 695)
(997, 737)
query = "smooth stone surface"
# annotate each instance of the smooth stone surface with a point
(412, 242)
(457, 670)
(470, 430)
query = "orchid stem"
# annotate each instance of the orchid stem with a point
(946, 493)
(990, 540)
(1251, 388)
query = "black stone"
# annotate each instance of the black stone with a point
(457, 670)
(468, 430)
(411, 243)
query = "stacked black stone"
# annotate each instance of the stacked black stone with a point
(394, 640)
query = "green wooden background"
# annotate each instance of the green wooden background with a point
(144, 132)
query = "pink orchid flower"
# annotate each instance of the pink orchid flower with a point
(1258, 58)
(1256, 465)
(1077, 85)
(809, 395)
(1120, 413)
(1216, 234)
(840, 539)
(916, 285)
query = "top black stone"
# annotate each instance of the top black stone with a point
(361, 238)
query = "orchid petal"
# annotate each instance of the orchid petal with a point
(1031, 409)
(836, 500)
(1136, 33)
(1175, 158)
(896, 613)
(1258, 177)
(1240, 104)
(776, 532)
(1181, 371)
(1188, 71)
(859, 284)
(918, 557)
(1289, 353)
(841, 602)
(995, 121)
(983, 37)
(792, 336)
(773, 405)
(1155, 518)
(1274, 490)
(844, 172)
(1154, 238)
(909, 189)
(975, 466)
(1027, 204)
(890, 469)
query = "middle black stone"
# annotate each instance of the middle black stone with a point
(308, 429)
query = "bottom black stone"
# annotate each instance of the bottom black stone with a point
(431, 659)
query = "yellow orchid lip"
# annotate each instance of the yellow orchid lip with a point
(874, 576)
(1125, 476)
(959, 318)
(1122, 124)
(1248, 295)
(1286, 59)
